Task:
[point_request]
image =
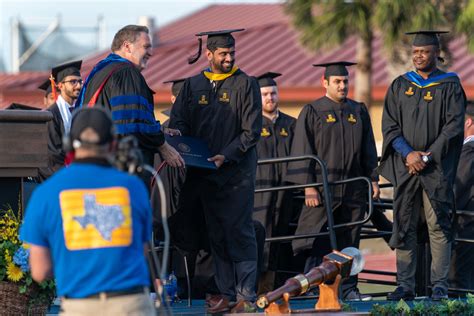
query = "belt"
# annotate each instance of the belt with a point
(108, 294)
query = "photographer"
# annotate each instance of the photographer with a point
(88, 225)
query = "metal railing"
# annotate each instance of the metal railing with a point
(326, 197)
(385, 204)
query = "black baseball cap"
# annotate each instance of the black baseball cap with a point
(96, 118)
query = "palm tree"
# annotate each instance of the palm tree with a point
(326, 23)
(465, 23)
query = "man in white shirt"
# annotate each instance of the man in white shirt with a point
(67, 79)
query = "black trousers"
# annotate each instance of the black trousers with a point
(227, 213)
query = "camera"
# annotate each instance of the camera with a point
(128, 156)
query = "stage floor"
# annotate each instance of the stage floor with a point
(198, 308)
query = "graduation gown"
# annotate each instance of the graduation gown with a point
(464, 190)
(341, 135)
(173, 180)
(462, 258)
(228, 118)
(275, 141)
(130, 100)
(269, 208)
(56, 152)
(430, 118)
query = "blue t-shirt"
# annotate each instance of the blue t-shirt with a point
(95, 221)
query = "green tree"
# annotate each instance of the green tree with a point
(327, 23)
(465, 23)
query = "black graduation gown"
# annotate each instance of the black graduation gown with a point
(341, 135)
(464, 187)
(431, 120)
(269, 208)
(275, 141)
(130, 100)
(461, 273)
(173, 180)
(56, 152)
(229, 119)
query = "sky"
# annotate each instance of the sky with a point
(75, 14)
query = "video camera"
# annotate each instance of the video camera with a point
(128, 156)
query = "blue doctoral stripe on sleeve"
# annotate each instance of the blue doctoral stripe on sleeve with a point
(130, 99)
(118, 115)
(140, 128)
(152, 127)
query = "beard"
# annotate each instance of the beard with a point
(222, 67)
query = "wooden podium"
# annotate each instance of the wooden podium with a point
(23, 150)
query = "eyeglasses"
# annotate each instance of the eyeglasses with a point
(74, 81)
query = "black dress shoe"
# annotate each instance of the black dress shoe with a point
(439, 294)
(401, 294)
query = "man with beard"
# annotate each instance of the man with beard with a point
(117, 84)
(337, 130)
(275, 141)
(422, 127)
(222, 106)
(67, 78)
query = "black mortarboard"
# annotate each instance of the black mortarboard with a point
(337, 68)
(222, 39)
(470, 108)
(97, 119)
(69, 69)
(266, 79)
(177, 85)
(46, 87)
(426, 38)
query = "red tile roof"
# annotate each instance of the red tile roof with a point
(269, 43)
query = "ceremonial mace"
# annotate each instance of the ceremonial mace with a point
(335, 266)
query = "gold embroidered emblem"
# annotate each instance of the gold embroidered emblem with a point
(264, 132)
(283, 132)
(330, 118)
(203, 100)
(352, 119)
(224, 97)
(428, 96)
(410, 91)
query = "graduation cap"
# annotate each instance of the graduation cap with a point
(69, 69)
(426, 38)
(177, 85)
(266, 79)
(337, 68)
(222, 39)
(470, 108)
(46, 87)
